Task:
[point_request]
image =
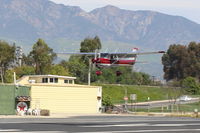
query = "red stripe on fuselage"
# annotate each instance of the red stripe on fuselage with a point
(108, 61)
(131, 62)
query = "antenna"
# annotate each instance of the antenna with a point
(19, 54)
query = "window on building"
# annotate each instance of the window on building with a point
(66, 81)
(51, 80)
(44, 80)
(55, 80)
(70, 81)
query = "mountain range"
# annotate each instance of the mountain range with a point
(63, 27)
(28, 20)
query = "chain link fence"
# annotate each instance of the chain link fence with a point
(162, 107)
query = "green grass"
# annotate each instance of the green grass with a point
(117, 92)
(176, 108)
(189, 107)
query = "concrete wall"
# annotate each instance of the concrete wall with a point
(8, 93)
(66, 99)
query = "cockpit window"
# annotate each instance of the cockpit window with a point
(104, 55)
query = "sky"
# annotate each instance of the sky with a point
(186, 8)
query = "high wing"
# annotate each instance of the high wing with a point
(137, 53)
(113, 53)
(78, 53)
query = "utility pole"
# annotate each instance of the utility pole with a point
(153, 78)
(89, 72)
(125, 100)
(2, 75)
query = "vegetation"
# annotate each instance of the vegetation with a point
(181, 67)
(191, 86)
(90, 44)
(107, 101)
(39, 61)
(42, 56)
(7, 56)
(20, 71)
(173, 108)
(126, 76)
(182, 64)
(117, 93)
(182, 61)
(79, 66)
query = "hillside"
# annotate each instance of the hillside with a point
(26, 21)
(117, 92)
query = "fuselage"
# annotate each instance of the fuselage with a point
(113, 60)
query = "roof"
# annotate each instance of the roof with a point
(52, 76)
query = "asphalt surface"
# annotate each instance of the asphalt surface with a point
(101, 124)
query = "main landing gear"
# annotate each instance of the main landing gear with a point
(98, 73)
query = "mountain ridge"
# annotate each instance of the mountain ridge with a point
(29, 20)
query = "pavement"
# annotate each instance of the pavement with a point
(105, 123)
(56, 115)
(59, 115)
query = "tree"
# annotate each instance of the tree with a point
(193, 50)
(9, 78)
(79, 65)
(24, 70)
(20, 71)
(109, 75)
(27, 60)
(58, 70)
(7, 56)
(90, 44)
(77, 68)
(42, 56)
(177, 62)
(182, 61)
(191, 86)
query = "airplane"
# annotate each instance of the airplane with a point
(114, 59)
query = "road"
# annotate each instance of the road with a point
(161, 103)
(101, 124)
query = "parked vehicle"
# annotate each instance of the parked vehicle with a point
(184, 98)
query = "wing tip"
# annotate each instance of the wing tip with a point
(162, 52)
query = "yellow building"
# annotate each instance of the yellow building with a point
(60, 94)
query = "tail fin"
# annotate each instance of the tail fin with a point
(135, 49)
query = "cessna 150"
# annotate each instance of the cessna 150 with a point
(114, 59)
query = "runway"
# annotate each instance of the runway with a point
(101, 124)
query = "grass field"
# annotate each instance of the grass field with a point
(117, 92)
(176, 108)
(189, 107)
